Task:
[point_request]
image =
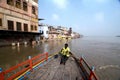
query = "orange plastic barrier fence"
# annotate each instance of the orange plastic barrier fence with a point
(30, 63)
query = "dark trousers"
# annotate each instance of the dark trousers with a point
(64, 58)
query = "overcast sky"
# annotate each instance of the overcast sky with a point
(87, 17)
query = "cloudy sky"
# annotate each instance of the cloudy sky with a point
(87, 17)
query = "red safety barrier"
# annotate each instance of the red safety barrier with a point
(30, 63)
(91, 74)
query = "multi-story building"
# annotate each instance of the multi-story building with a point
(44, 30)
(53, 33)
(75, 35)
(19, 18)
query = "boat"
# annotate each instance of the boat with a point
(47, 67)
(118, 36)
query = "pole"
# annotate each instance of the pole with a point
(2, 76)
(46, 56)
(91, 72)
(30, 62)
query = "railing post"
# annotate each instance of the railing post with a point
(30, 62)
(81, 59)
(91, 72)
(1, 74)
(46, 56)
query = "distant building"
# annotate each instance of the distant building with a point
(62, 30)
(19, 18)
(44, 29)
(69, 31)
(75, 35)
(53, 33)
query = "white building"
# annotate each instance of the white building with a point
(44, 30)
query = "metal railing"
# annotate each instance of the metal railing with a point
(87, 72)
(20, 68)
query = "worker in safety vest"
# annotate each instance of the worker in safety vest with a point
(65, 54)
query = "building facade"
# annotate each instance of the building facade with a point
(19, 15)
(44, 30)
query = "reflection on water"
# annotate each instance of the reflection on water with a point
(46, 48)
(13, 47)
(102, 52)
(18, 49)
(13, 55)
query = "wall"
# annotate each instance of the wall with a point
(8, 12)
(45, 31)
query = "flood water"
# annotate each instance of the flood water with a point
(102, 52)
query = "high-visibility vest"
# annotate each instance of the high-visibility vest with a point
(66, 51)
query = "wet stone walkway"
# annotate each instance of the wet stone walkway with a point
(54, 71)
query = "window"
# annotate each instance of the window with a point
(25, 6)
(33, 9)
(10, 25)
(47, 32)
(0, 21)
(41, 31)
(18, 4)
(31, 27)
(10, 2)
(35, 27)
(26, 27)
(18, 24)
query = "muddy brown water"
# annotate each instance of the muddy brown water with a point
(101, 52)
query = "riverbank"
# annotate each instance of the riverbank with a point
(4, 43)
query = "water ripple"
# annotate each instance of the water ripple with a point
(109, 66)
